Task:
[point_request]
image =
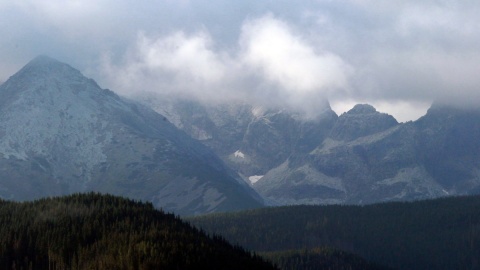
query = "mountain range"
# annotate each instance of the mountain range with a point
(359, 157)
(60, 133)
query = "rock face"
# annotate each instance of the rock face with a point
(362, 156)
(434, 156)
(60, 133)
(449, 147)
(361, 121)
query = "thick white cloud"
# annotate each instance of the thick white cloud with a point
(270, 47)
(188, 58)
(176, 64)
(270, 65)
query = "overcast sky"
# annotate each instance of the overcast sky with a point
(399, 56)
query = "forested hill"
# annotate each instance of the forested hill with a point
(320, 258)
(434, 234)
(93, 231)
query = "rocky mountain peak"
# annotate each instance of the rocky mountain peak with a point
(362, 120)
(43, 61)
(61, 133)
(362, 109)
(46, 79)
(44, 67)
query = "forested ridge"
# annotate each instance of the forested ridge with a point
(432, 234)
(93, 231)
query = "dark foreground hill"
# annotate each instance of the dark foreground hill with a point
(105, 232)
(434, 234)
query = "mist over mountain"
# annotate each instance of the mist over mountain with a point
(61, 133)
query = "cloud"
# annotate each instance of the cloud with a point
(270, 65)
(380, 52)
(287, 60)
(406, 51)
(176, 64)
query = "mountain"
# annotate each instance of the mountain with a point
(448, 147)
(433, 234)
(329, 173)
(61, 133)
(432, 157)
(92, 231)
(362, 120)
(362, 156)
(250, 139)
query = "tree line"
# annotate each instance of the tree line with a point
(431, 234)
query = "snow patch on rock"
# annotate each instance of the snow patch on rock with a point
(239, 154)
(254, 178)
(258, 111)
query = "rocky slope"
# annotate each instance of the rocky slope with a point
(61, 133)
(432, 157)
(361, 121)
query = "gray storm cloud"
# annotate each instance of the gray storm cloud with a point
(397, 55)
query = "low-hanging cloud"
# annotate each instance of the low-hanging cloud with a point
(177, 65)
(270, 65)
(271, 50)
(174, 64)
(270, 47)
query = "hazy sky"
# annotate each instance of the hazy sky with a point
(399, 56)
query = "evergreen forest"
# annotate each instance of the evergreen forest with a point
(319, 258)
(93, 231)
(432, 234)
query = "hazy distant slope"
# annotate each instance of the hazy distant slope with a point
(92, 231)
(435, 234)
